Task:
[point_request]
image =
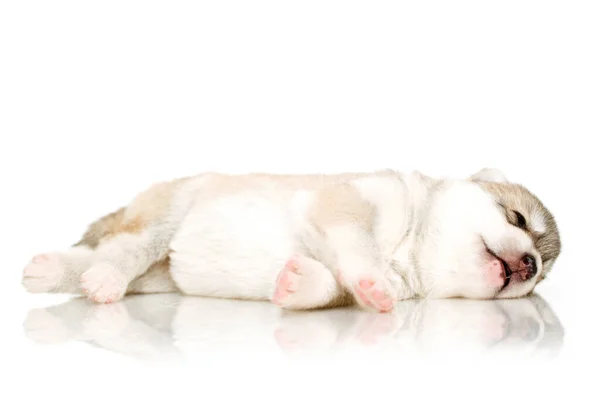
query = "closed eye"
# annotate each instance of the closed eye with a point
(521, 221)
(514, 217)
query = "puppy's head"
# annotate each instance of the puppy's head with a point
(485, 237)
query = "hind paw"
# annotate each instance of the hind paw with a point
(43, 273)
(103, 283)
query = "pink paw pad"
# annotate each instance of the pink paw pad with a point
(286, 282)
(292, 265)
(373, 296)
(103, 283)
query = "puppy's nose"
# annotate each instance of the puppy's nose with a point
(527, 267)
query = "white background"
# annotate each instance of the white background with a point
(100, 99)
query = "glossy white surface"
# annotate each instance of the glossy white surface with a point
(100, 99)
(173, 327)
(226, 346)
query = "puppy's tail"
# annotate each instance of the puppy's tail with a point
(101, 228)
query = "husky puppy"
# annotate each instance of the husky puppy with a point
(313, 241)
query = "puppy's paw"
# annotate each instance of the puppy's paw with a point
(303, 283)
(103, 283)
(373, 292)
(43, 273)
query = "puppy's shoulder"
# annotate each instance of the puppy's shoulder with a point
(383, 188)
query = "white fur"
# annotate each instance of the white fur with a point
(463, 217)
(390, 197)
(537, 223)
(235, 246)
(312, 285)
(104, 283)
(490, 175)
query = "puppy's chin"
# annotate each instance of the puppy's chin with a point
(516, 289)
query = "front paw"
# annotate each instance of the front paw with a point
(374, 294)
(103, 283)
(371, 292)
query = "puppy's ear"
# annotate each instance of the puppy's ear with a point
(489, 175)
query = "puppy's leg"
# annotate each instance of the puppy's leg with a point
(345, 221)
(57, 272)
(61, 272)
(118, 261)
(140, 241)
(118, 248)
(156, 280)
(304, 283)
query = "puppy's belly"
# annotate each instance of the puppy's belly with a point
(232, 247)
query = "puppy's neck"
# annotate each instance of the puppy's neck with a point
(405, 264)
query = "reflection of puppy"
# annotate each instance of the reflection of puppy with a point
(149, 326)
(526, 325)
(310, 242)
(139, 327)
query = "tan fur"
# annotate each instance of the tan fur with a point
(156, 280)
(343, 300)
(101, 227)
(342, 203)
(220, 184)
(145, 208)
(153, 203)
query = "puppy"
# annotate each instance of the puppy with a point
(313, 241)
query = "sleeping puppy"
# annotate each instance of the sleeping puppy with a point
(313, 241)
